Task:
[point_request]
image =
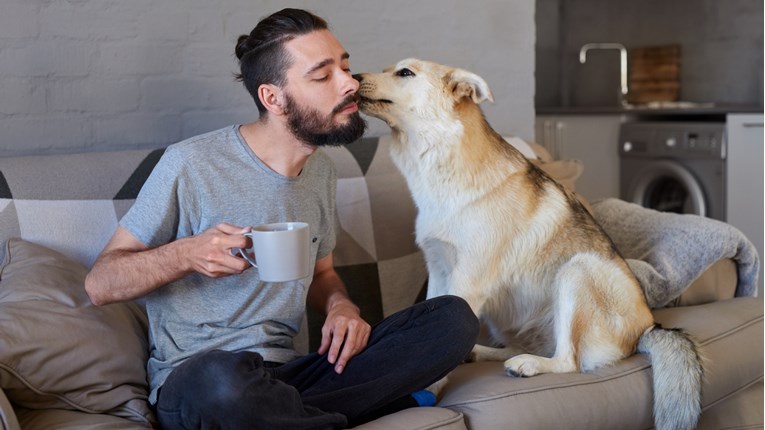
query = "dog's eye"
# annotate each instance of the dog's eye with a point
(404, 73)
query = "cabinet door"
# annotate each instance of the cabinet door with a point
(593, 139)
(744, 186)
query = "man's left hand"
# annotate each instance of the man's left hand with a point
(344, 334)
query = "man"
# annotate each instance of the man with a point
(221, 340)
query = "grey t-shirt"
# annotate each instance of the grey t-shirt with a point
(197, 184)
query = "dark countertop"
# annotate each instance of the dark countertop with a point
(680, 109)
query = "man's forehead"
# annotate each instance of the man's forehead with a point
(314, 48)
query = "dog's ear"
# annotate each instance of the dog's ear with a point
(462, 83)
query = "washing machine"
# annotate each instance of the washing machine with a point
(674, 166)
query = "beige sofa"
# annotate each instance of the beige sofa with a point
(65, 364)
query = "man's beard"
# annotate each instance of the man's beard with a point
(311, 128)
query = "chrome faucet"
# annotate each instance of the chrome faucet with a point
(623, 64)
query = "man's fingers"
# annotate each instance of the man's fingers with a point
(349, 350)
(356, 340)
(232, 229)
(228, 266)
(326, 339)
(235, 262)
(338, 337)
(229, 237)
(363, 337)
(344, 335)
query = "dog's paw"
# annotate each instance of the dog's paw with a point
(524, 365)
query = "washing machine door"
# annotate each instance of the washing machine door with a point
(667, 186)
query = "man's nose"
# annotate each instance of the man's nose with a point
(351, 85)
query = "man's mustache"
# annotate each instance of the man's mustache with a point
(345, 102)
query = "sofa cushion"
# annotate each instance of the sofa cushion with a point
(59, 351)
(731, 337)
(730, 333)
(70, 203)
(717, 283)
(8, 420)
(740, 411)
(60, 419)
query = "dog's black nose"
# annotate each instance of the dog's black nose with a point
(358, 77)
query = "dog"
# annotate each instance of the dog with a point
(546, 281)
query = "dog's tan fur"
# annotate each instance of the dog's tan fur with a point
(499, 232)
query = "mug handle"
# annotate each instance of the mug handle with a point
(244, 255)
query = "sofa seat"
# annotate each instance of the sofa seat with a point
(730, 333)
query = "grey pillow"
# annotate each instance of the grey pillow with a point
(57, 350)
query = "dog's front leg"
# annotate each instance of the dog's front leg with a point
(488, 353)
(439, 287)
(470, 288)
(436, 286)
(440, 258)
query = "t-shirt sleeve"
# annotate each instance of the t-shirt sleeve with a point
(154, 217)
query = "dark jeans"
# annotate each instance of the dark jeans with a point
(406, 352)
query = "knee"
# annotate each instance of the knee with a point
(220, 387)
(219, 378)
(463, 323)
(230, 375)
(468, 320)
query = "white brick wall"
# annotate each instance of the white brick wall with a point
(102, 74)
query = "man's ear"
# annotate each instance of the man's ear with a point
(462, 83)
(272, 98)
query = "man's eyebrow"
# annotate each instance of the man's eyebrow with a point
(326, 62)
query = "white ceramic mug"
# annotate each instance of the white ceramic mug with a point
(281, 251)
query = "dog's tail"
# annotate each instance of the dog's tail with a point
(677, 377)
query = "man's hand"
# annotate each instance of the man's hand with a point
(210, 251)
(344, 334)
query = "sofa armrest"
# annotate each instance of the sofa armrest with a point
(8, 419)
(717, 283)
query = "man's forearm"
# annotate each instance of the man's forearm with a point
(122, 274)
(327, 290)
(127, 269)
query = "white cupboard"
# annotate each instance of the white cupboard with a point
(593, 139)
(745, 180)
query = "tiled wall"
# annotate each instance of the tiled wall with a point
(100, 74)
(721, 42)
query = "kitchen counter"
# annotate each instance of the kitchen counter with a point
(667, 110)
(592, 136)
